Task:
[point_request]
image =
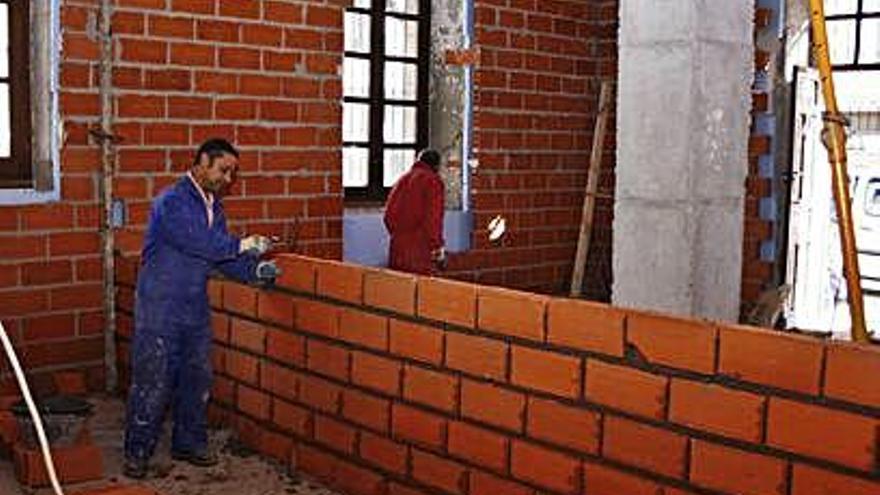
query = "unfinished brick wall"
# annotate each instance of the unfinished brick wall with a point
(261, 73)
(536, 98)
(383, 383)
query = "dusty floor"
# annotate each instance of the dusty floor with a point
(240, 472)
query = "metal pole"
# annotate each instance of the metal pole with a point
(834, 139)
(106, 92)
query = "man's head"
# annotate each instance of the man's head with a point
(430, 157)
(214, 165)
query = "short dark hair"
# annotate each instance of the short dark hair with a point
(214, 148)
(430, 157)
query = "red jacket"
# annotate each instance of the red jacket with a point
(414, 219)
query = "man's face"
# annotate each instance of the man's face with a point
(216, 174)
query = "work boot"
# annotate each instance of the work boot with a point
(135, 468)
(200, 459)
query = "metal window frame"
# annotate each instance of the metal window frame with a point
(375, 190)
(858, 17)
(17, 170)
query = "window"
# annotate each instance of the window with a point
(853, 33)
(385, 93)
(15, 115)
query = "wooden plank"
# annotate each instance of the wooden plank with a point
(583, 246)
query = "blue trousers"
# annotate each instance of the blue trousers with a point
(169, 366)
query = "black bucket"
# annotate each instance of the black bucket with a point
(64, 419)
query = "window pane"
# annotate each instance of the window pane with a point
(401, 80)
(401, 37)
(356, 77)
(842, 41)
(5, 135)
(400, 124)
(404, 6)
(361, 4)
(869, 51)
(870, 6)
(355, 167)
(357, 32)
(355, 122)
(4, 40)
(396, 163)
(836, 7)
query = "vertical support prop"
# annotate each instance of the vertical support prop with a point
(834, 139)
(583, 245)
(107, 166)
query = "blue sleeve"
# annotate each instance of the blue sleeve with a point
(243, 267)
(184, 228)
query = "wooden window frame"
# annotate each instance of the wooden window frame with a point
(375, 191)
(16, 171)
(858, 17)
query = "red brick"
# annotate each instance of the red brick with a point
(478, 446)
(220, 326)
(240, 299)
(563, 425)
(549, 372)
(243, 367)
(366, 410)
(809, 480)
(585, 325)
(253, 402)
(349, 478)
(508, 312)
(383, 452)
(415, 341)
(390, 290)
(317, 317)
(70, 382)
(327, 359)
(77, 463)
(363, 328)
(279, 380)
(286, 347)
(735, 471)
(545, 467)
(340, 281)
(604, 480)
(275, 446)
(437, 472)
(283, 12)
(493, 405)
(276, 308)
(486, 484)
(409, 423)
(675, 342)
(447, 301)
(248, 335)
(432, 388)
(247, 9)
(643, 446)
(786, 361)
(376, 372)
(292, 418)
(334, 434)
(320, 394)
(626, 389)
(478, 356)
(846, 362)
(171, 27)
(732, 413)
(843, 437)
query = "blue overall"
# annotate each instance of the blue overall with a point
(170, 354)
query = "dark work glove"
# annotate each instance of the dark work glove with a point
(267, 271)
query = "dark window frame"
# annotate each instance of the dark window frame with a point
(858, 17)
(375, 190)
(16, 171)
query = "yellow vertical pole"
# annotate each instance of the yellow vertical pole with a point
(834, 139)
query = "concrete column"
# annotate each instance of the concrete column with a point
(683, 114)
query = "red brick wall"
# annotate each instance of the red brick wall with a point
(537, 87)
(378, 382)
(262, 73)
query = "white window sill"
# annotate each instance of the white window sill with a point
(27, 196)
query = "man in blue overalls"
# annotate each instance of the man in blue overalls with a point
(186, 239)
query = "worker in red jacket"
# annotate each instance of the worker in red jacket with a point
(414, 218)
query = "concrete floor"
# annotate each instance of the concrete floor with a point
(239, 471)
